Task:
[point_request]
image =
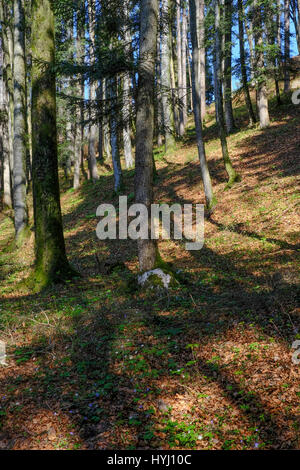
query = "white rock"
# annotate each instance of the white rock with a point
(166, 278)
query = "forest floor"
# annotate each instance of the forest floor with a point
(93, 364)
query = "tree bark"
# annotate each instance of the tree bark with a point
(261, 83)
(202, 65)
(51, 261)
(210, 200)
(114, 141)
(185, 90)
(286, 45)
(232, 175)
(7, 102)
(93, 129)
(20, 100)
(229, 118)
(181, 127)
(168, 114)
(127, 93)
(147, 249)
(252, 118)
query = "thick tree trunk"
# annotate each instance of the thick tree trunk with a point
(147, 249)
(51, 261)
(168, 114)
(252, 118)
(232, 175)
(20, 100)
(210, 201)
(261, 83)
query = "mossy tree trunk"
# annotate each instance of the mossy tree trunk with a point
(51, 261)
(147, 249)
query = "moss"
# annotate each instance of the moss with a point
(41, 279)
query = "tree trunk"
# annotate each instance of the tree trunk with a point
(261, 83)
(286, 45)
(232, 175)
(159, 110)
(201, 26)
(20, 100)
(106, 128)
(7, 100)
(181, 127)
(147, 249)
(168, 114)
(210, 201)
(184, 63)
(127, 93)
(252, 118)
(229, 118)
(79, 110)
(93, 130)
(114, 141)
(51, 261)
(249, 32)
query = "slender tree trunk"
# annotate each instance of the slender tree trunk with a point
(4, 137)
(7, 81)
(252, 118)
(114, 141)
(229, 118)
(184, 63)
(210, 200)
(79, 110)
(166, 78)
(298, 26)
(202, 57)
(286, 45)
(127, 93)
(261, 83)
(147, 249)
(181, 127)
(232, 175)
(159, 110)
(51, 261)
(101, 106)
(93, 130)
(106, 128)
(20, 100)
(249, 32)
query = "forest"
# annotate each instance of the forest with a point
(124, 330)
